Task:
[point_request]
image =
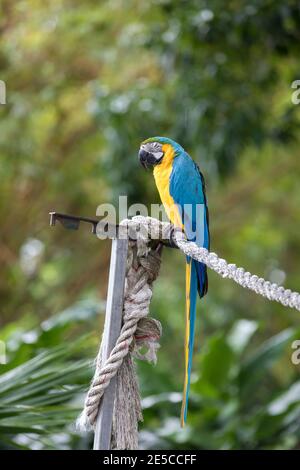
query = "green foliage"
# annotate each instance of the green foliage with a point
(231, 406)
(86, 83)
(46, 371)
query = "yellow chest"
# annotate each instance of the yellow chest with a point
(162, 173)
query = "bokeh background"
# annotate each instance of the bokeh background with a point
(86, 83)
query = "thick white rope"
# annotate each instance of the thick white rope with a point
(266, 289)
(271, 291)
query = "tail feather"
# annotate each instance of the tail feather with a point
(196, 280)
(191, 298)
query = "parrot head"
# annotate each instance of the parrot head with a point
(152, 150)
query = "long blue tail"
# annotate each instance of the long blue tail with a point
(196, 281)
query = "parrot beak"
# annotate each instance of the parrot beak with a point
(147, 159)
(143, 158)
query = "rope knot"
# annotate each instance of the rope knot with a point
(151, 264)
(147, 338)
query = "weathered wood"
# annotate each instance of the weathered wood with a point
(112, 327)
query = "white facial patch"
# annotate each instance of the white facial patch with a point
(155, 148)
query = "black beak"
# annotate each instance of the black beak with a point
(147, 159)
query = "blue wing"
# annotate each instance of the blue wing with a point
(188, 191)
(187, 188)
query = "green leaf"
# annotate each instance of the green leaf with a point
(216, 362)
(256, 366)
(285, 400)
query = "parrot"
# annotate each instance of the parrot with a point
(181, 187)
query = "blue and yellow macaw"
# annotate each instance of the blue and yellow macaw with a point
(181, 187)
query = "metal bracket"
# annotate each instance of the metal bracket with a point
(72, 222)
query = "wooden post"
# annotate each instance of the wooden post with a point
(112, 327)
